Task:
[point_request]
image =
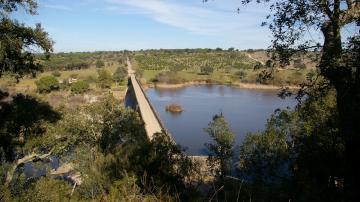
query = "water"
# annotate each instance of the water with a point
(244, 109)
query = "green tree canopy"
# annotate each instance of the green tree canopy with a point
(221, 150)
(18, 40)
(120, 74)
(46, 84)
(99, 64)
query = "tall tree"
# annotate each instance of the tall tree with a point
(290, 21)
(221, 150)
(19, 41)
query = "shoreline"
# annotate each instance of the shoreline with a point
(236, 85)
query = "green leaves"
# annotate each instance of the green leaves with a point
(46, 84)
(222, 149)
(18, 41)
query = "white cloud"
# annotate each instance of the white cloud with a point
(56, 7)
(196, 18)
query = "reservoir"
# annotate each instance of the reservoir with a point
(246, 110)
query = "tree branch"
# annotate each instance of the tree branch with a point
(28, 158)
(349, 4)
(325, 7)
(351, 14)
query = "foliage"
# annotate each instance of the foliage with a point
(47, 189)
(241, 74)
(290, 21)
(295, 154)
(221, 150)
(104, 79)
(22, 119)
(191, 59)
(299, 64)
(206, 70)
(17, 40)
(169, 77)
(99, 64)
(120, 74)
(80, 87)
(47, 84)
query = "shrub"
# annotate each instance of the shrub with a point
(46, 84)
(104, 79)
(169, 77)
(241, 74)
(120, 74)
(206, 70)
(99, 64)
(56, 73)
(299, 64)
(80, 87)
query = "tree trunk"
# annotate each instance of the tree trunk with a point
(348, 105)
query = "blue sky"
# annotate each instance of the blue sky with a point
(91, 25)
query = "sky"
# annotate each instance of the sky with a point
(105, 25)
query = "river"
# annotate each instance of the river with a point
(246, 110)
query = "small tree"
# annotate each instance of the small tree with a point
(120, 74)
(99, 64)
(221, 150)
(46, 84)
(207, 70)
(104, 79)
(241, 74)
(80, 87)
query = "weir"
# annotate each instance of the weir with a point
(141, 103)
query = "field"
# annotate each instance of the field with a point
(161, 66)
(67, 66)
(223, 67)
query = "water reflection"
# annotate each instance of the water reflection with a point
(245, 110)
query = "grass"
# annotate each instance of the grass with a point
(281, 77)
(150, 74)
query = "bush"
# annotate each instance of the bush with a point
(207, 70)
(80, 87)
(56, 73)
(104, 79)
(99, 64)
(169, 77)
(46, 84)
(120, 74)
(241, 74)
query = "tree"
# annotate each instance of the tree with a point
(120, 74)
(17, 40)
(221, 150)
(47, 84)
(207, 70)
(99, 64)
(104, 79)
(290, 21)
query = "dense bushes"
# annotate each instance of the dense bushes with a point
(169, 77)
(46, 84)
(120, 74)
(104, 79)
(80, 87)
